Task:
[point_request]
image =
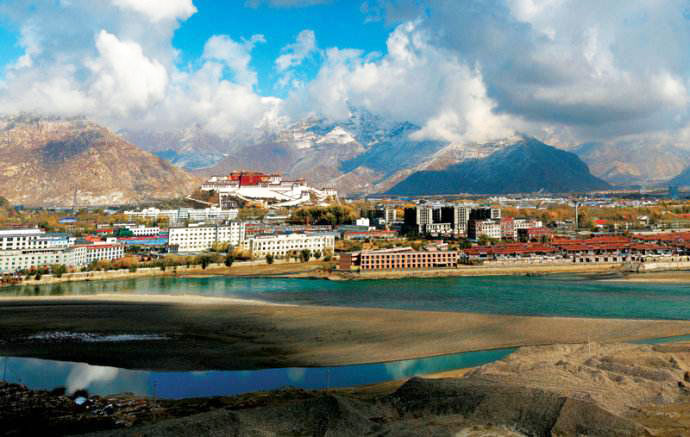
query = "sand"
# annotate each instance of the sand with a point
(218, 333)
(676, 277)
(586, 389)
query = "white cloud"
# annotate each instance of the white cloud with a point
(284, 3)
(236, 56)
(159, 10)
(124, 76)
(415, 81)
(113, 61)
(594, 69)
(295, 53)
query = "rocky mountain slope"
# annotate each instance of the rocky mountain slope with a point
(634, 163)
(682, 180)
(365, 153)
(44, 160)
(527, 166)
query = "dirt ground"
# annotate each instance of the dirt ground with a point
(218, 333)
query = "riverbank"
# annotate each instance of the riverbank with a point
(502, 270)
(581, 389)
(672, 277)
(241, 269)
(200, 333)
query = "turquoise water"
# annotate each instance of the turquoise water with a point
(47, 374)
(520, 295)
(42, 374)
(550, 295)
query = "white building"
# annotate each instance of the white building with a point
(525, 224)
(390, 215)
(24, 249)
(489, 228)
(196, 238)
(212, 214)
(363, 221)
(271, 189)
(143, 231)
(282, 244)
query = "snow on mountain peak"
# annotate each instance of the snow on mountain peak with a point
(337, 135)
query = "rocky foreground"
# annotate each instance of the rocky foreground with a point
(591, 389)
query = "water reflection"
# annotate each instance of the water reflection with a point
(550, 296)
(101, 380)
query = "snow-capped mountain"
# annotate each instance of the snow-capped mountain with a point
(365, 153)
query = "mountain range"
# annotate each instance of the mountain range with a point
(362, 154)
(527, 166)
(634, 163)
(44, 161)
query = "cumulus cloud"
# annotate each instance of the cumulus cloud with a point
(595, 67)
(284, 3)
(415, 81)
(236, 56)
(124, 76)
(565, 70)
(113, 61)
(159, 10)
(295, 53)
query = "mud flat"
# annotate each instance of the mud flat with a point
(204, 333)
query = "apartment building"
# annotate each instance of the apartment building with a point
(282, 244)
(24, 249)
(212, 214)
(142, 230)
(458, 216)
(197, 238)
(404, 258)
(489, 228)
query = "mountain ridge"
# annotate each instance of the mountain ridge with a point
(43, 160)
(527, 166)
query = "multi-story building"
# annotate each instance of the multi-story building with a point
(24, 249)
(390, 215)
(438, 228)
(197, 238)
(421, 217)
(283, 244)
(489, 228)
(398, 259)
(458, 216)
(269, 188)
(174, 216)
(143, 231)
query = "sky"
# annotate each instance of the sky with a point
(564, 71)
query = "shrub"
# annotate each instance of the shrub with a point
(305, 255)
(269, 259)
(229, 259)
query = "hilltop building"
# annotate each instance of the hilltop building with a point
(272, 189)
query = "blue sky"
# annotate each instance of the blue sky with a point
(564, 71)
(339, 23)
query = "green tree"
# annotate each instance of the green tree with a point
(229, 259)
(205, 261)
(58, 270)
(317, 254)
(269, 259)
(305, 255)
